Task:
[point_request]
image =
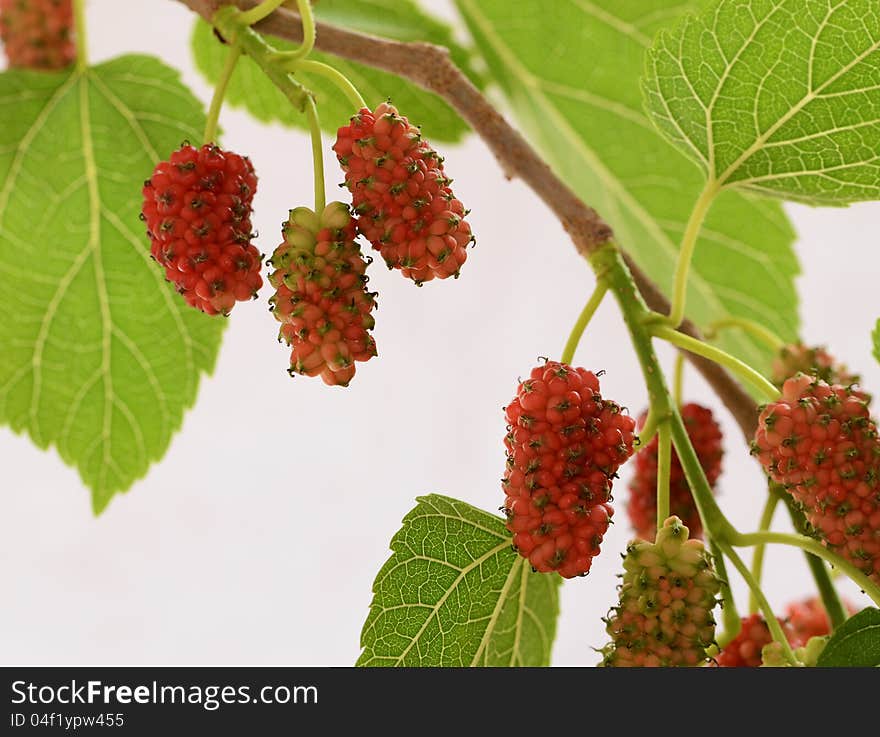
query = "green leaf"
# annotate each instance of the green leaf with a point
(777, 96)
(571, 71)
(100, 357)
(455, 593)
(402, 20)
(855, 644)
(875, 339)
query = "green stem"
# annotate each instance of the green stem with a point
(814, 547)
(227, 21)
(257, 13)
(317, 154)
(664, 466)
(609, 266)
(308, 24)
(685, 254)
(837, 613)
(742, 370)
(649, 429)
(756, 330)
(583, 320)
(79, 19)
(758, 555)
(714, 521)
(343, 83)
(678, 380)
(729, 613)
(219, 93)
(772, 622)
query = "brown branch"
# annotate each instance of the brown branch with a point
(430, 67)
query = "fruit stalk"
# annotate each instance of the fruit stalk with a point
(741, 370)
(772, 622)
(79, 24)
(729, 613)
(308, 28)
(583, 320)
(343, 83)
(837, 613)
(664, 467)
(811, 546)
(756, 330)
(220, 93)
(258, 12)
(317, 153)
(678, 380)
(758, 555)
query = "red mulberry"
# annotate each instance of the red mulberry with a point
(821, 444)
(705, 435)
(321, 297)
(401, 195)
(564, 446)
(37, 34)
(744, 650)
(808, 618)
(197, 207)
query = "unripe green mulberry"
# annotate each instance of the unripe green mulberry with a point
(321, 297)
(664, 617)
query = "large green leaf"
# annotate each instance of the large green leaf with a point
(98, 356)
(455, 593)
(571, 71)
(402, 20)
(779, 96)
(855, 644)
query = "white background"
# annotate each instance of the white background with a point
(257, 538)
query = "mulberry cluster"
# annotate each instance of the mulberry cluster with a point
(197, 208)
(37, 34)
(664, 615)
(321, 297)
(564, 446)
(705, 435)
(821, 444)
(401, 195)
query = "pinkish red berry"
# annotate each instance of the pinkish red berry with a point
(564, 446)
(808, 618)
(197, 207)
(744, 651)
(814, 361)
(705, 435)
(321, 295)
(37, 34)
(402, 196)
(821, 444)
